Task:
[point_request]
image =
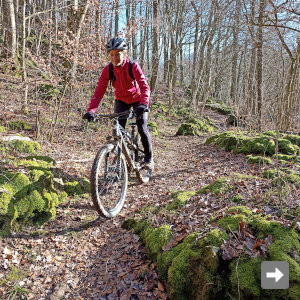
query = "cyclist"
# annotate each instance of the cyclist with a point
(129, 92)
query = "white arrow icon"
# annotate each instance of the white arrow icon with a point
(277, 274)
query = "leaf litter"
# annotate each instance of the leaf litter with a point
(82, 256)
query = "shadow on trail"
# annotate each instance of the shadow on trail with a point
(66, 231)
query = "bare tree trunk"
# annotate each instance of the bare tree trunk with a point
(259, 63)
(142, 36)
(77, 38)
(72, 18)
(24, 70)
(235, 49)
(111, 21)
(200, 62)
(196, 46)
(250, 97)
(117, 17)
(128, 15)
(290, 95)
(133, 42)
(155, 42)
(9, 27)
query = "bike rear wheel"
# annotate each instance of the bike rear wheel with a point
(143, 175)
(109, 181)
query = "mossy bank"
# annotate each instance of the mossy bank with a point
(29, 194)
(195, 269)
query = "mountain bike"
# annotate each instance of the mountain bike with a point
(122, 155)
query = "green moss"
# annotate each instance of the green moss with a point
(188, 129)
(248, 270)
(155, 239)
(73, 188)
(271, 133)
(287, 147)
(280, 177)
(153, 128)
(180, 198)
(15, 274)
(258, 160)
(195, 266)
(237, 198)
(213, 238)
(179, 284)
(239, 142)
(221, 108)
(27, 199)
(2, 129)
(231, 223)
(129, 224)
(44, 158)
(220, 186)
(21, 125)
(139, 227)
(241, 210)
(17, 184)
(25, 146)
(293, 138)
(245, 275)
(164, 260)
(194, 269)
(32, 163)
(86, 185)
(195, 126)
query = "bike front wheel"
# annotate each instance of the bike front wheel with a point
(109, 181)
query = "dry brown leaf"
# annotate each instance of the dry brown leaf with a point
(161, 286)
(257, 244)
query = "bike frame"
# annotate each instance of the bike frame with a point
(119, 136)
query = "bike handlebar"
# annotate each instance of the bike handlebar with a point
(128, 114)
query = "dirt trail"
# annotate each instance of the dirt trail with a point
(81, 256)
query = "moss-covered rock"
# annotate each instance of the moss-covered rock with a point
(221, 108)
(260, 160)
(285, 146)
(282, 177)
(194, 268)
(155, 239)
(220, 186)
(287, 158)
(237, 198)
(194, 126)
(180, 198)
(27, 198)
(28, 147)
(77, 188)
(19, 125)
(263, 144)
(188, 129)
(293, 138)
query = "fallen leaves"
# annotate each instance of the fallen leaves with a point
(243, 241)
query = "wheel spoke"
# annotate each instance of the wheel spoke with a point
(109, 181)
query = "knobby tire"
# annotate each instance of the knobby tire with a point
(108, 197)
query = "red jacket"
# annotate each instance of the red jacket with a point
(125, 88)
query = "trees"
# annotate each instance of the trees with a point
(9, 30)
(209, 50)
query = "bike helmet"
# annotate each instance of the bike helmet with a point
(116, 44)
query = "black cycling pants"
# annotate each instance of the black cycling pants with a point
(141, 123)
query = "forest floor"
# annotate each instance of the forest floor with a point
(82, 256)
